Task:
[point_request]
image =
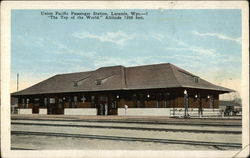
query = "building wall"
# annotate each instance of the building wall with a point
(80, 111)
(175, 100)
(84, 105)
(43, 111)
(144, 112)
(66, 105)
(25, 111)
(179, 102)
(216, 101)
(150, 104)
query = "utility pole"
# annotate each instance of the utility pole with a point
(17, 81)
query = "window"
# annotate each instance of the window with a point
(157, 104)
(93, 101)
(98, 82)
(211, 101)
(23, 103)
(196, 79)
(75, 84)
(52, 100)
(60, 103)
(70, 102)
(75, 99)
(45, 101)
(27, 103)
(83, 99)
(159, 98)
(113, 104)
(166, 100)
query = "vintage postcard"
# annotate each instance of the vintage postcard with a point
(124, 79)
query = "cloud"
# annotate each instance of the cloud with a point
(60, 48)
(218, 35)
(111, 61)
(196, 50)
(39, 42)
(183, 46)
(86, 54)
(157, 36)
(118, 37)
(57, 44)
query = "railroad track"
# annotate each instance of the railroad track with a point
(142, 122)
(118, 138)
(129, 128)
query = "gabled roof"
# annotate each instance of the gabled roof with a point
(122, 78)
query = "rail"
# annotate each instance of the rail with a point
(131, 128)
(166, 141)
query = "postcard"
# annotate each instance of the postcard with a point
(124, 79)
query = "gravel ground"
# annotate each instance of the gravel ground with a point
(227, 138)
(59, 143)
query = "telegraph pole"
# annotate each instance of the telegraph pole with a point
(17, 81)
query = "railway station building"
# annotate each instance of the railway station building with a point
(148, 90)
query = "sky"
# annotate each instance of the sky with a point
(204, 42)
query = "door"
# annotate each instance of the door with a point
(112, 109)
(106, 105)
(54, 107)
(35, 108)
(59, 107)
(102, 106)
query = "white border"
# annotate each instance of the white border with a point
(5, 74)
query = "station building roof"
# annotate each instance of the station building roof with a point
(122, 78)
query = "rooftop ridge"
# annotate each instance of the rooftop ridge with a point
(148, 65)
(172, 68)
(74, 72)
(183, 71)
(110, 66)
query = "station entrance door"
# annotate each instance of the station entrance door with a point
(106, 105)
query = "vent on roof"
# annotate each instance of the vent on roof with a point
(196, 79)
(98, 82)
(75, 83)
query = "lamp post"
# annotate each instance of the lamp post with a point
(185, 103)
